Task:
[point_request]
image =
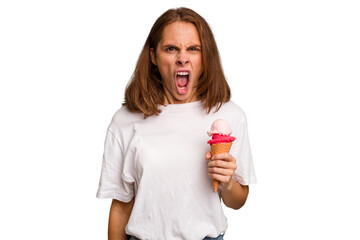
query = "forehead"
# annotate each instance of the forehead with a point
(180, 33)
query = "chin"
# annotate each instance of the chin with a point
(185, 98)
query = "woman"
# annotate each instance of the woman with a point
(157, 167)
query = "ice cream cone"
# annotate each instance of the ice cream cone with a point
(219, 148)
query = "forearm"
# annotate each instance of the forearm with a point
(234, 195)
(116, 229)
(118, 219)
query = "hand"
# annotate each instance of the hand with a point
(221, 167)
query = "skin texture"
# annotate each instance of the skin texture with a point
(179, 49)
(118, 218)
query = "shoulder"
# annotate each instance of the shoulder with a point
(232, 113)
(123, 118)
(232, 108)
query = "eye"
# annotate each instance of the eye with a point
(194, 49)
(170, 49)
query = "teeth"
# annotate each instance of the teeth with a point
(183, 73)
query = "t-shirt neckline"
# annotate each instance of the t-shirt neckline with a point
(189, 105)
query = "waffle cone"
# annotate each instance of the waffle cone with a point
(219, 148)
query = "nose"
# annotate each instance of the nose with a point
(182, 59)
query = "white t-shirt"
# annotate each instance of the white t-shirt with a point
(161, 162)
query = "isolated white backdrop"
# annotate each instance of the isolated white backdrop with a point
(293, 67)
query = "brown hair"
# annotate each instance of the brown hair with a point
(145, 90)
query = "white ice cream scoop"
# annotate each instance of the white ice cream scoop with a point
(220, 126)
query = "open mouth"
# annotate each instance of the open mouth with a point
(182, 82)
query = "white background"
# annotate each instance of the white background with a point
(293, 67)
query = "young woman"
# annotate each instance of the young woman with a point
(157, 167)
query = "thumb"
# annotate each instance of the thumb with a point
(207, 155)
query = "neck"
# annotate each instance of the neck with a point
(169, 99)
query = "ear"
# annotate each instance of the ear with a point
(152, 55)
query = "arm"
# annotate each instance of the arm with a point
(222, 167)
(235, 195)
(118, 218)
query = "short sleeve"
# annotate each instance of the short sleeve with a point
(245, 172)
(112, 183)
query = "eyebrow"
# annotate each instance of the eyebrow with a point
(175, 45)
(169, 45)
(195, 45)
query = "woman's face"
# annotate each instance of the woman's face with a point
(179, 61)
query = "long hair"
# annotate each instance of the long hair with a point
(145, 90)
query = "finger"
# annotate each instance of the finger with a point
(222, 164)
(207, 155)
(220, 178)
(224, 156)
(221, 171)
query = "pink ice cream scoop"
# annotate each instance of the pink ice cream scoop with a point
(220, 132)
